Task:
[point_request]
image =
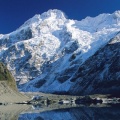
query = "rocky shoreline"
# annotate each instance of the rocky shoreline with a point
(50, 99)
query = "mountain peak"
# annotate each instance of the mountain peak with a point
(116, 14)
(50, 14)
(58, 14)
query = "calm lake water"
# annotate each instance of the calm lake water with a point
(26, 112)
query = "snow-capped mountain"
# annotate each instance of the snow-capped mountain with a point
(47, 51)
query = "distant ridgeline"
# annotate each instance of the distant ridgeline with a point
(6, 76)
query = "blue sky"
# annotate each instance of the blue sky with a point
(14, 13)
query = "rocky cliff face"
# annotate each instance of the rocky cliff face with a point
(48, 51)
(6, 76)
(8, 89)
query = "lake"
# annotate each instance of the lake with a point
(83, 112)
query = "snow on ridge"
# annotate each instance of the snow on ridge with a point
(53, 20)
(1, 35)
(102, 21)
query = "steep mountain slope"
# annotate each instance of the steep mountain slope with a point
(101, 72)
(8, 90)
(98, 74)
(47, 50)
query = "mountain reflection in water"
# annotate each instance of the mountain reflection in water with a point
(28, 112)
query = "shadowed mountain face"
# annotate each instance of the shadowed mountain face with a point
(101, 72)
